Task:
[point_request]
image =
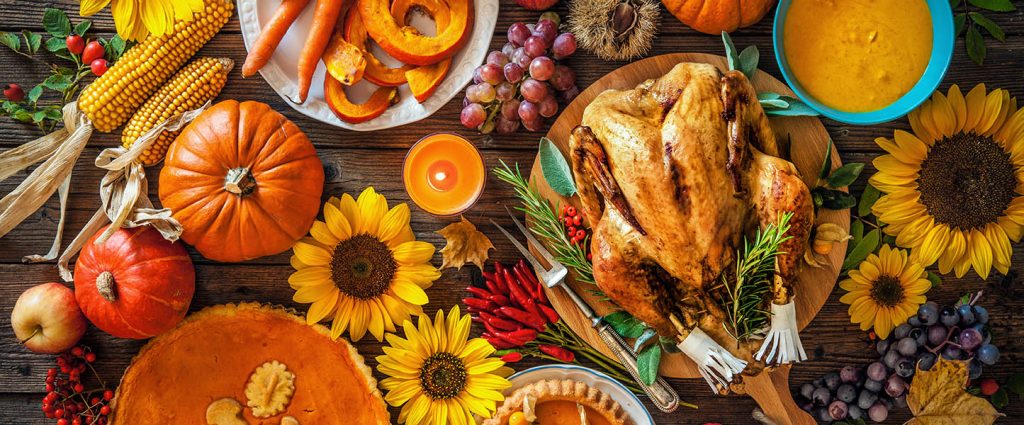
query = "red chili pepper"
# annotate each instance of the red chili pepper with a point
(550, 313)
(493, 287)
(516, 289)
(487, 275)
(523, 317)
(557, 352)
(525, 281)
(499, 299)
(521, 336)
(531, 306)
(499, 323)
(532, 280)
(498, 278)
(498, 343)
(481, 304)
(512, 357)
(479, 292)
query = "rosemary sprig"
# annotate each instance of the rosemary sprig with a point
(745, 297)
(544, 222)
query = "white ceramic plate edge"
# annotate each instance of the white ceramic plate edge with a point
(408, 110)
(629, 401)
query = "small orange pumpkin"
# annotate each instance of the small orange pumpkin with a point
(243, 180)
(715, 16)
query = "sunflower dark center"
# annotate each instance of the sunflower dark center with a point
(967, 181)
(887, 291)
(362, 267)
(443, 376)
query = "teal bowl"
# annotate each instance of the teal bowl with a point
(942, 53)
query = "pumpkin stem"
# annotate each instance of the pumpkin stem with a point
(239, 181)
(105, 286)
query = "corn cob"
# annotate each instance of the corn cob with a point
(111, 99)
(194, 85)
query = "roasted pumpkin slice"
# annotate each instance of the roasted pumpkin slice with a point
(376, 71)
(355, 113)
(424, 80)
(406, 44)
(345, 61)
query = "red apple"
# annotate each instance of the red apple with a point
(46, 318)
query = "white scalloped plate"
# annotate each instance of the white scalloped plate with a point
(281, 71)
(618, 392)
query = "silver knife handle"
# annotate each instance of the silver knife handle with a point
(664, 397)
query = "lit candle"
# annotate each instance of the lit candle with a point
(444, 174)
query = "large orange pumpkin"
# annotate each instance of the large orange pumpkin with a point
(715, 16)
(136, 284)
(243, 180)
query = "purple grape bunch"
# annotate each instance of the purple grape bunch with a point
(522, 83)
(958, 332)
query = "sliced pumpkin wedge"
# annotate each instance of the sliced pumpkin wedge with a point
(376, 71)
(345, 61)
(424, 80)
(355, 113)
(406, 44)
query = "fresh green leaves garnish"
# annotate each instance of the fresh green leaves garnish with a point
(864, 247)
(972, 22)
(772, 103)
(647, 362)
(556, 169)
(826, 194)
(745, 296)
(625, 324)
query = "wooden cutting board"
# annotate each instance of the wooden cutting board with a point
(813, 286)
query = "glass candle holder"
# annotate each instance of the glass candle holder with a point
(444, 174)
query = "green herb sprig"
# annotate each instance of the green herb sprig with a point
(970, 20)
(65, 80)
(745, 297)
(772, 103)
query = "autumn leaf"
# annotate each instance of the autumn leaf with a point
(464, 245)
(937, 397)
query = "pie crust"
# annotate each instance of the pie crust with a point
(561, 389)
(212, 354)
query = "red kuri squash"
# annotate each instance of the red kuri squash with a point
(243, 180)
(136, 284)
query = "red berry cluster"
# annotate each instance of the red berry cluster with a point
(575, 226)
(66, 398)
(91, 52)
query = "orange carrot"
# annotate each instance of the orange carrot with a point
(325, 17)
(271, 35)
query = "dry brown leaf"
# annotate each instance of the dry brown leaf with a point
(464, 245)
(937, 397)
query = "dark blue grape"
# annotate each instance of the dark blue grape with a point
(919, 335)
(970, 339)
(866, 399)
(849, 374)
(882, 346)
(928, 313)
(895, 386)
(949, 316)
(901, 331)
(907, 346)
(847, 393)
(937, 334)
(824, 415)
(831, 381)
(873, 385)
(966, 314)
(892, 358)
(877, 371)
(914, 321)
(837, 410)
(981, 314)
(901, 401)
(821, 396)
(854, 412)
(806, 390)
(986, 336)
(988, 354)
(879, 412)
(974, 369)
(905, 368)
(926, 360)
(951, 353)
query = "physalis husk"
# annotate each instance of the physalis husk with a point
(270, 389)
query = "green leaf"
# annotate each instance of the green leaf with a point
(994, 5)
(834, 199)
(864, 248)
(83, 27)
(22, 115)
(730, 51)
(32, 41)
(999, 399)
(1016, 383)
(556, 170)
(10, 40)
(56, 22)
(935, 279)
(668, 345)
(54, 112)
(959, 23)
(796, 108)
(975, 45)
(9, 106)
(826, 162)
(990, 26)
(55, 44)
(57, 82)
(647, 362)
(867, 200)
(845, 175)
(115, 48)
(38, 116)
(625, 324)
(774, 103)
(857, 232)
(33, 95)
(768, 96)
(646, 338)
(748, 61)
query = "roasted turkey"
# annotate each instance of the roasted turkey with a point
(674, 174)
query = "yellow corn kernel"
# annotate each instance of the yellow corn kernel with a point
(194, 85)
(111, 99)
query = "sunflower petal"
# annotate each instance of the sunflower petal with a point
(311, 293)
(90, 7)
(1001, 249)
(981, 253)
(337, 222)
(393, 223)
(372, 207)
(310, 276)
(410, 292)
(413, 253)
(975, 107)
(341, 317)
(311, 254)
(959, 106)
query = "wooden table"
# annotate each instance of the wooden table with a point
(354, 160)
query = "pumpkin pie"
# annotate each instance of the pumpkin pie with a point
(248, 364)
(560, 402)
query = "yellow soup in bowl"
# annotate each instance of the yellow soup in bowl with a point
(857, 55)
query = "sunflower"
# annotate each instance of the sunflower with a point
(362, 267)
(953, 187)
(437, 376)
(885, 290)
(134, 19)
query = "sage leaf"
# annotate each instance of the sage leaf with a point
(83, 27)
(56, 22)
(975, 45)
(959, 22)
(730, 51)
(768, 96)
(860, 252)
(990, 26)
(668, 345)
(845, 175)
(647, 362)
(994, 5)
(625, 324)
(867, 200)
(33, 95)
(836, 200)
(774, 103)
(826, 162)
(935, 279)
(556, 170)
(796, 108)
(646, 338)
(10, 40)
(748, 61)
(32, 41)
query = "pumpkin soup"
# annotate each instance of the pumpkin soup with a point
(857, 55)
